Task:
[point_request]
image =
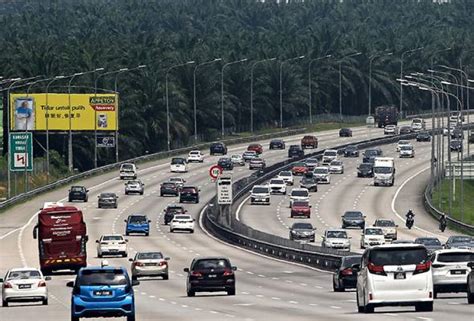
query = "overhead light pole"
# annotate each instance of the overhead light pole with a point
(252, 69)
(281, 85)
(371, 59)
(310, 109)
(401, 74)
(340, 79)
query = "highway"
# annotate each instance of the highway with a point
(266, 288)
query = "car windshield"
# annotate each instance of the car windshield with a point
(365, 166)
(133, 182)
(106, 195)
(77, 189)
(336, 234)
(330, 153)
(28, 274)
(398, 256)
(311, 161)
(299, 165)
(169, 185)
(260, 190)
(224, 160)
(178, 161)
(460, 239)
(336, 163)
(301, 204)
(175, 209)
(285, 174)
(350, 148)
(127, 167)
(350, 260)
(102, 277)
(353, 215)
(112, 238)
(149, 256)
(183, 217)
(403, 142)
(320, 170)
(406, 147)
(300, 193)
(428, 241)
(456, 257)
(302, 226)
(209, 264)
(194, 153)
(236, 156)
(188, 190)
(277, 182)
(137, 219)
(176, 179)
(388, 223)
(370, 152)
(295, 147)
(254, 146)
(373, 231)
(383, 170)
(306, 180)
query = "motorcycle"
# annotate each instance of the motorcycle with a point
(442, 226)
(409, 222)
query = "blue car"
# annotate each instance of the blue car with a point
(137, 223)
(102, 292)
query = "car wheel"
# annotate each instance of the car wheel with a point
(161, 194)
(470, 298)
(73, 318)
(171, 231)
(98, 206)
(146, 234)
(69, 200)
(369, 308)
(134, 277)
(424, 307)
(360, 309)
(166, 276)
(126, 233)
(45, 301)
(191, 293)
(115, 206)
(131, 317)
(435, 294)
(191, 231)
(141, 193)
(125, 254)
(231, 291)
(99, 255)
(335, 286)
(4, 303)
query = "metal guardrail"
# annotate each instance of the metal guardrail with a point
(458, 170)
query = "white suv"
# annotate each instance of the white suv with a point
(322, 174)
(287, 176)
(260, 194)
(394, 275)
(372, 236)
(195, 156)
(277, 186)
(112, 244)
(450, 270)
(299, 194)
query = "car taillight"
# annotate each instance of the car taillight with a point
(7, 285)
(347, 271)
(423, 267)
(194, 273)
(41, 284)
(163, 264)
(138, 264)
(376, 269)
(228, 272)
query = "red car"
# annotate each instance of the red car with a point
(300, 208)
(256, 147)
(299, 169)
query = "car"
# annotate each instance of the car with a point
(336, 239)
(309, 141)
(298, 194)
(182, 222)
(287, 176)
(471, 139)
(394, 275)
(450, 270)
(128, 171)
(255, 147)
(353, 218)
(397, 241)
(78, 193)
(470, 284)
(137, 223)
(302, 231)
(260, 194)
(171, 210)
(102, 291)
(178, 165)
(388, 226)
(418, 124)
(403, 142)
(431, 243)
(328, 156)
(455, 145)
(407, 151)
(257, 163)
(345, 277)
(195, 156)
(295, 151)
(310, 183)
(249, 155)
(351, 151)
(107, 200)
(405, 130)
(237, 160)
(210, 274)
(365, 170)
(277, 144)
(189, 194)
(336, 167)
(169, 188)
(135, 186)
(300, 208)
(218, 148)
(311, 163)
(459, 242)
(225, 163)
(345, 132)
(24, 285)
(457, 133)
(322, 175)
(277, 186)
(299, 168)
(423, 137)
(370, 154)
(179, 181)
(371, 236)
(149, 264)
(390, 130)
(112, 244)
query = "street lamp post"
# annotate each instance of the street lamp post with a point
(13, 82)
(281, 85)
(310, 109)
(371, 59)
(254, 65)
(340, 80)
(401, 75)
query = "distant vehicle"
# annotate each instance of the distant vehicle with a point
(310, 183)
(178, 165)
(169, 188)
(336, 239)
(172, 210)
(390, 130)
(78, 193)
(24, 285)
(300, 208)
(384, 171)
(402, 242)
(386, 115)
(370, 154)
(457, 133)
(353, 218)
(405, 130)
(189, 194)
(302, 231)
(407, 151)
(423, 137)
(295, 151)
(403, 142)
(456, 117)
(298, 194)
(182, 222)
(128, 171)
(137, 223)
(217, 149)
(249, 155)
(345, 132)
(322, 175)
(371, 236)
(195, 156)
(351, 151)
(309, 141)
(388, 226)
(431, 243)
(102, 291)
(112, 244)
(178, 180)
(255, 147)
(459, 242)
(345, 277)
(136, 186)
(260, 194)
(237, 160)
(277, 144)
(365, 170)
(418, 124)
(287, 176)
(107, 200)
(277, 186)
(210, 274)
(311, 163)
(470, 284)
(456, 145)
(299, 168)
(336, 167)
(225, 163)
(149, 264)
(257, 163)
(328, 156)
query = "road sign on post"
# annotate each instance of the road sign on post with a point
(215, 171)
(21, 151)
(106, 141)
(224, 190)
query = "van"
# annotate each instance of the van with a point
(384, 171)
(128, 171)
(418, 124)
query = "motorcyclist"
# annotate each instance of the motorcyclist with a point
(410, 218)
(442, 222)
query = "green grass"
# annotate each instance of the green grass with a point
(442, 198)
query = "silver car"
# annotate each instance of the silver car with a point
(135, 186)
(24, 285)
(149, 264)
(237, 160)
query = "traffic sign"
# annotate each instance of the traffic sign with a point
(224, 190)
(21, 151)
(215, 171)
(106, 141)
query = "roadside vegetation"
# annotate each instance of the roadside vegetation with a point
(443, 199)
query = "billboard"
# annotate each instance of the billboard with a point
(41, 112)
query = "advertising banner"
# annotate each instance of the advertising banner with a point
(41, 112)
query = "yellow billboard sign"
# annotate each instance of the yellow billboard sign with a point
(51, 112)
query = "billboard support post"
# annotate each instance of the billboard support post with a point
(9, 188)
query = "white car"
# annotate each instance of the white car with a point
(322, 175)
(237, 160)
(418, 124)
(195, 156)
(390, 130)
(372, 236)
(299, 194)
(178, 165)
(136, 186)
(394, 275)
(336, 239)
(401, 143)
(287, 176)
(388, 227)
(182, 222)
(260, 194)
(407, 151)
(112, 244)
(179, 181)
(450, 270)
(24, 285)
(336, 167)
(277, 186)
(128, 171)
(328, 156)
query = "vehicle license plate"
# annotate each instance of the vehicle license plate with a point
(150, 264)
(400, 276)
(212, 276)
(458, 272)
(24, 286)
(102, 293)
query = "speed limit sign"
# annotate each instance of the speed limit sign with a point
(215, 171)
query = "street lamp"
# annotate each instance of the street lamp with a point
(309, 86)
(340, 79)
(371, 59)
(13, 82)
(168, 137)
(401, 74)
(281, 86)
(254, 65)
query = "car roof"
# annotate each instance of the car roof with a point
(108, 268)
(211, 258)
(111, 235)
(23, 269)
(335, 230)
(442, 251)
(403, 245)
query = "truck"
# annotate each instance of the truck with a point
(386, 115)
(384, 171)
(62, 237)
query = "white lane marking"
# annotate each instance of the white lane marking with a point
(334, 307)
(237, 213)
(244, 304)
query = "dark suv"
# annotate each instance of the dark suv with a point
(277, 144)
(78, 193)
(210, 274)
(107, 200)
(226, 163)
(345, 277)
(189, 194)
(295, 151)
(169, 188)
(171, 211)
(218, 148)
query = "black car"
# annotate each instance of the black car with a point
(345, 132)
(302, 231)
(370, 154)
(210, 274)
(78, 193)
(365, 170)
(353, 219)
(405, 130)
(309, 182)
(226, 163)
(459, 242)
(351, 151)
(295, 151)
(471, 138)
(456, 145)
(169, 188)
(423, 137)
(431, 243)
(457, 133)
(107, 200)
(189, 194)
(171, 211)
(345, 277)
(277, 144)
(218, 148)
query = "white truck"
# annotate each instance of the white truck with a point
(384, 171)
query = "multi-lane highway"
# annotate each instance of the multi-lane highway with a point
(266, 288)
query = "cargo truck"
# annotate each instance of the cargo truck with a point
(384, 171)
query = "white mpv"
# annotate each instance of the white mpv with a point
(450, 270)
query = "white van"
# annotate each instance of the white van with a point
(394, 275)
(178, 165)
(128, 171)
(418, 124)
(384, 171)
